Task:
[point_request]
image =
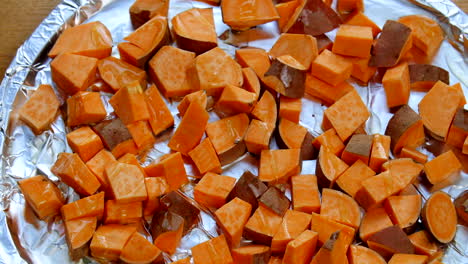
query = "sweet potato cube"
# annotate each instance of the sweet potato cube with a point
(208, 66)
(389, 241)
(251, 254)
(73, 172)
(262, 225)
(405, 129)
(171, 167)
(139, 250)
(459, 129)
(329, 167)
(191, 129)
(408, 259)
(189, 98)
(143, 10)
(232, 218)
(346, 115)
(396, 83)
(423, 243)
(248, 188)
(403, 171)
(167, 228)
(347, 6)
(90, 39)
(235, 100)
(265, 110)
(175, 203)
(303, 48)
(227, 136)
(413, 154)
(331, 68)
(255, 58)
(125, 147)
(89, 206)
(78, 232)
(404, 210)
(257, 137)
(122, 213)
(98, 163)
(325, 92)
(305, 194)
(42, 195)
(205, 158)
(155, 187)
(132, 159)
(195, 30)
(244, 15)
(354, 41)
(85, 108)
(109, 240)
(340, 207)
(275, 199)
(290, 109)
(142, 134)
(360, 254)
(129, 104)
(374, 220)
(301, 249)
(215, 251)
(333, 250)
(358, 18)
(73, 73)
(325, 227)
(41, 109)
(275, 78)
(213, 189)
(358, 148)
(330, 140)
(351, 179)
(85, 142)
(288, 13)
(376, 189)
(380, 151)
(112, 132)
(160, 116)
(168, 69)
(144, 42)
(127, 182)
(118, 73)
(290, 135)
(277, 166)
(293, 224)
(251, 82)
(361, 69)
(442, 167)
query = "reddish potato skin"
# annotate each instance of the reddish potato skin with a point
(248, 188)
(461, 205)
(274, 79)
(175, 203)
(428, 73)
(275, 200)
(401, 121)
(112, 132)
(392, 238)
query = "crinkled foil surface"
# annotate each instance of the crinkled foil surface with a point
(25, 239)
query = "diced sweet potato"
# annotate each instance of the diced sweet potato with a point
(122, 213)
(195, 30)
(262, 225)
(141, 11)
(333, 251)
(437, 109)
(155, 187)
(325, 227)
(331, 68)
(139, 250)
(396, 82)
(90, 39)
(41, 109)
(144, 42)
(325, 92)
(301, 249)
(142, 134)
(85, 142)
(361, 69)
(376, 189)
(73, 73)
(213, 189)
(329, 167)
(403, 171)
(227, 137)
(189, 98)
(293, 224)
(117, 73)
(461, 205)
(408, 259)
(358, 148)
(248, 188)
(131, 159)
(351, 179)
(405, 129)
(359, 254)
(277, 166)
(442, 167)
(290, 109)
(127, 104)
(160, 116)
(166, 229)
(78, 232)
(251, 254)
(403, 210)
(241, 15)
(265, 110)
(413, 154)
(73, 172)
(286, 76)
(251, 82)
(42, 195)
(305, 193)
(257, 137)
(215, 251)
(169, 70)
(355, 41)
(190, 130)
(205, 158)
(330, 140)
(424, 76)
(91, 206)
(380, 151)
(440, 217)
(112, 132)
(215, 70)
(109, 240)
(288, 12)
(340, 208)
(459, 129)
(85, 108)
(255, 58)
(303, 48)
(171, 167)
(294, 136)
(390, 46)
(97, 165)
(374, 220)
(235, 100)
(315, 18)
(423, 243)
(358, 18)
(232, 218)
(127, 182)
(389, 241)
(275, 200)
(175, 203)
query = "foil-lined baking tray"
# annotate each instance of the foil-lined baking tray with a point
(25, 239)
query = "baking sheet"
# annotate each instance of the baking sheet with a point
(25, 239)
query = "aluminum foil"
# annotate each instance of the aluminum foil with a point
(25, 239)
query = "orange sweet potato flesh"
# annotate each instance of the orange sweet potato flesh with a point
(85, 142)
(408, 259)
(155, 187)
(442, 167)
(167, 230)
(160, 116)
(374, 220)
(331, 68)
(73, 73)
(232, 218)
(294, 136)
(325, 227)
(144, 42)
(262, 225)
(139, 250)
(142, 134)
(128, 104)
(355, 41)
(403, 171)
(215, 251)
(360, 254)
(277, 166)
(405, 129)
(205, 158)
(376, 189)
(404, 210)
(227, 137)
(459, 129)
(126, 182)
(169, 241)
(251, 82)
(266, 110)
(143, 10)
(351, 179)
(325, 92)
(127, 146)
(288, 12)
(255, 58)
(40, 110)
(293, 224)
(380, 151)
(423, 243)
(85, 108)
(189, 98)
(358, 18)
(42, 195)
(78, 232)
(290, 108)
(109, 240)
(213, 189)
(340, 208)
(301, 47)
(171, 167)
(91, 39)
(241, 15)
(123, 213)
(396, 82)
(190, 130)
(117, 73)
(195, 30)
(301, 249)
(347, 114)
(329, 168)
(91, 206)
(305, 193)
(251, 254)
(257, 137)
(97, 165)
(437, 109)
(169, 69)
(330, 140)
(440, 217)
(413, 154)
(235, 100)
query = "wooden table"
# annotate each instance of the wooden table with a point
(19, 18)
